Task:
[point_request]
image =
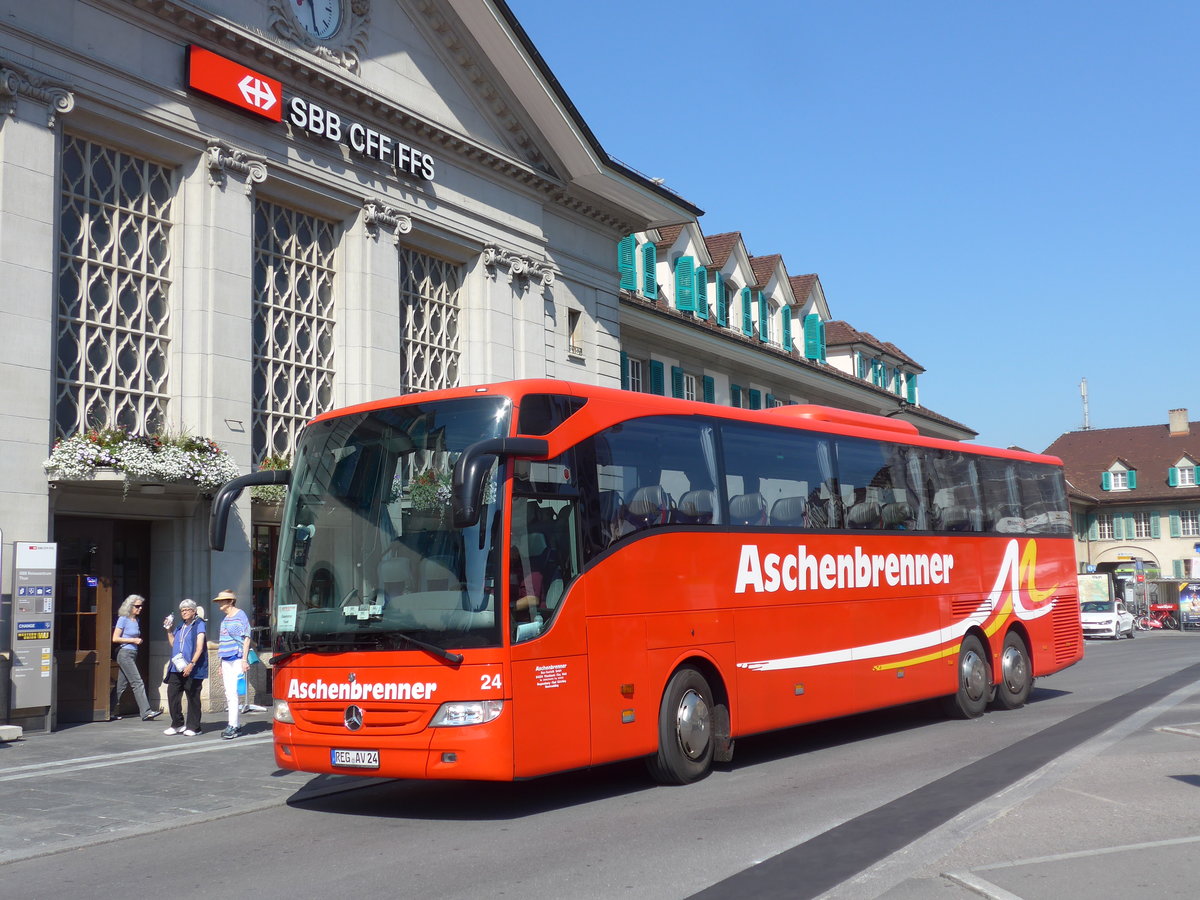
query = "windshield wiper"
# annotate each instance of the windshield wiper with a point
(441, 652)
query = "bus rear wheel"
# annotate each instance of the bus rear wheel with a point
(974, 682)
(1016, 673)
(685, 730)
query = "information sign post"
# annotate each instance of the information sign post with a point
(34, 569)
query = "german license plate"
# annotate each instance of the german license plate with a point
(356, 759)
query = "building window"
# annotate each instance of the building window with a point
(113, 286)
(1189, 523)
(1104, 522)
(689, 387)
(635, 375)
(293, 324)
(1142, 527)
(574, 341)
(1182, 475)
(429, 321)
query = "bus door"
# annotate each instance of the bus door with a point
(549, 679)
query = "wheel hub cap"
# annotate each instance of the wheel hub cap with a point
(693, 725)
(974, 676)
(1013, 668)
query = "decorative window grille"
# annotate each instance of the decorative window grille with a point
(429, 323)
(293, 324)
(113, 290)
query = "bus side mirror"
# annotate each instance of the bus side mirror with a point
(227, 496)
(467, 486)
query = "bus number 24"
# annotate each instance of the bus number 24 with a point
(490, 683)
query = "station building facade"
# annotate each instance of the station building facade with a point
(220, 218)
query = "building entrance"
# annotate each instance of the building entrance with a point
(100, 562)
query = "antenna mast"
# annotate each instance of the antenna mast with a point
(1087, 422)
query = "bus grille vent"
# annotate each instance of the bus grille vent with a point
(1067, 633)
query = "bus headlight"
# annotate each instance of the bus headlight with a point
(283, 712)
(472, 712)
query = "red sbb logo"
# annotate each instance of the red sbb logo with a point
(234, 83)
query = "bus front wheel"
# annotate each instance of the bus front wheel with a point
(685, 730)
(1016, 673)
(974, 682)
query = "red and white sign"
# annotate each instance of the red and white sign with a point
(234, 83)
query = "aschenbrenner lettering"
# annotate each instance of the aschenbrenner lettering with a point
(804, 571)
(361, 690)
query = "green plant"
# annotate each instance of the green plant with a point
(271, 493)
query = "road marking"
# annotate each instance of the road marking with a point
(83, 763)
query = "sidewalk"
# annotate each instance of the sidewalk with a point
(100, 781)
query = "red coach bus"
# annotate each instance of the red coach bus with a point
(506, 581)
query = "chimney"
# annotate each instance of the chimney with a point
(1177, 423)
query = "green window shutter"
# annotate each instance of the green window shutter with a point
(1080, 526)
(813, 336)
(755, 398)
(676, 381)
(912, 387)
(1173, 477)
(722, 301)
(626, 265)
(1177, 568)
(1175, 526)
(624, 371)
(1118, 521)
(702, 292)
(770, 401)
(747, 316)
(862, 367)
(685, 284)
(763, 319)
(1106, 481)
(710, 389)
(1154, 527)
(649, 271)
(1093, 531)
(735, 396)
(786, 329)
(657, 378)
(1132, 479)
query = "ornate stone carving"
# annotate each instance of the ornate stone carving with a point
(223, 157)
(16, 82)
(521, 269)
(377, 213)
(344, 48)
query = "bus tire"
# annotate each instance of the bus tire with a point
(1016, 673)
(974, 682)
(685, 730)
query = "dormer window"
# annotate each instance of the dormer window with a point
(1182, 474)
(1118, 479)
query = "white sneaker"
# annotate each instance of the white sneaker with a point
(187, 732)
(172, 731)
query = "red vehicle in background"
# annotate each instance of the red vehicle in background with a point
(511, 580)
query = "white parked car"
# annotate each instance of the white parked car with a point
(1106, 618)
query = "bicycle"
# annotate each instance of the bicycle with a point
(1159, 617)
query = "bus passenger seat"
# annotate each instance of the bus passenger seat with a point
(790, 511)
(863, 515)
(649, 506)
(748, 509)
(395, 576)
(695, 508)
(437, 574)
(898, 516)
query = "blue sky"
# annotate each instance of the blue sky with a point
(1005, 190)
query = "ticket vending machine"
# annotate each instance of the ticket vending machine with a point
(34, 570)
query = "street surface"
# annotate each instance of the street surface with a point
(1047, 801)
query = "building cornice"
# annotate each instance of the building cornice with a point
(192, 23)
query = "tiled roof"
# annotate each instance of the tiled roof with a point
(802, 286)
(1149, 449)
(721, 245)
(668, 234)
(839, 334)
(764, 268)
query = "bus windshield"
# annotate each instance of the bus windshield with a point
(369, 555)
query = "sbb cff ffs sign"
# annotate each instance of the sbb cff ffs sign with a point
(234, 83)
